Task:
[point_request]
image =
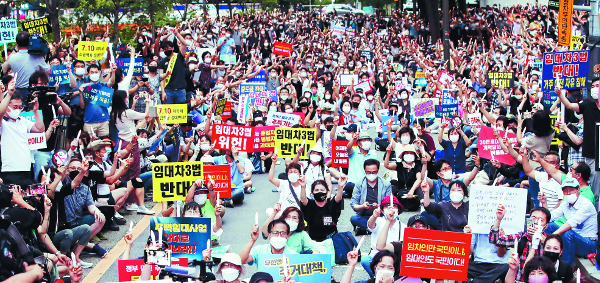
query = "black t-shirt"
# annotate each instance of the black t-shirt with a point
(322, 221)
(48, 116)
(514, 105)
(177, 81)
(406, 177)
(591, 116)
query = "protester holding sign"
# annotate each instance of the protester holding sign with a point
(278, 231)
(237, 170)
(454, 150)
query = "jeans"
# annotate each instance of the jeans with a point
(365, 261)
(594, 180)
(359, 221)
(237, 195)
(42, 158)
(147, 180)
(534, 189)
(175, 96)
(574, 245)
(68, 238)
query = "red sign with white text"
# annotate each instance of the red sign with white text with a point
(221, 174)
(228, 137)
(435, 254)
(283, 49)
(489, 147)
(264, 139)
(131, 269)
(339, 154)
(227, 112)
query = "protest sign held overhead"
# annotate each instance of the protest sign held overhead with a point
(282, 119)
(138, 68)
(264, 138)
(570, 67)
(40, 26)
(423, 107)
(306, 268)
(289, 140)
(186, 236)
(283, 49)
(258, 94)
(58, 74)
(8, 30)
(228, 137)
(172, 113)
(172, 180)
(89, 50)
(483, 202)
(339, 154)
(504, 79)
(98, 94)
(221, 175)
(489, 147)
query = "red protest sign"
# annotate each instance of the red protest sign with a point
(229, 136)
(221, 174)
(131, 269)
(227, 112)
(488, 145)
(264, 139)
(442, 255)
(302, 116)
(283, 49)
(339, 155)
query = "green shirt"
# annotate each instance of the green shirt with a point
(585, 192)
(300, 241)
(255, 252)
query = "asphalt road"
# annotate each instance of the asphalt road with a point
(237, 224)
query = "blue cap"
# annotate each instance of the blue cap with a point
(570, 182)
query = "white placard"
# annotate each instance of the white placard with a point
(282, 119)
(364, 85)
(483, 202)
(36, 140)
(346, 80)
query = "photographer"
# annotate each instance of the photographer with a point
(50, 104)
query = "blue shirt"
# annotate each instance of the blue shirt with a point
(356, 169)
(226, 48)
(83, 80)
(236, 176)
(95, 113)
(441, 192)
(455, 156)
(484, 252)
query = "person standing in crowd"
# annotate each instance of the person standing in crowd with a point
(24, 63)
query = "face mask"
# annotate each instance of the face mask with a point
(293, 177)
(278, 242)
(571, 199)
(319, 66)
(308, 60)
(315, 157)
(369, 97)
(162, 55)
(227, 35)
(519, 96)
(79, 71)
(594, 93)
(105, 156)
(553, 256)
(404, 140)
(144, 33)
(346, 109)
(380, 273)
(200, 199)
(152, 69)
(192, 66)
(355, 104)
(404, 95)
(303, 74)
(366, 145)
(284, 97)
(14, 113)
(538, 280)
(94, 77)
(273, 75)
(293, 225)
(307, 94)
(272, 108)
(456, 197)
(329, 127)
(230, 274)
(447, 175)
(168, 53)
(320, 196)
(205, 147)
(371, 177)
(289, 110)
(409, 158)
(453, 138)
(73, 175)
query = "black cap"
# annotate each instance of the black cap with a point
(416, 218)
(351, 128)
(257, 113)
(258, 276)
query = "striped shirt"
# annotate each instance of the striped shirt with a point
(550, 187)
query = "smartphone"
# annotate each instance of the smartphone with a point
(37, 189)
(157, 257)
(144, 79)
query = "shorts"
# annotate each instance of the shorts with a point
(86, 219)
(100, 129)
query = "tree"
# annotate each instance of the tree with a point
(53, 8)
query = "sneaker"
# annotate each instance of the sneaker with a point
(99, 250)
(95, 239)
(118, 215)
(101, 236)
(119, 221)
(131, 207)
(248, 190)
(253, 189)
(228, 203)
(85, 264)
(113, 227)
(144, 210)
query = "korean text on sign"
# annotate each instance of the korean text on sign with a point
(171, 181)
(58, 74)
(306, 268)
(228, 137)
(177, 113)
(221, 175)
(282, 119)
(289, 140)
(484, 202)
(423, 107)
(131, 269)
(443, 255)
(258, 94)
(489, 147)
(89, 50)
(283, 49)
(8, 31)
(186, 236)
(504, 79)
(571, 67)
(220, 107)
(98, 94)
(339, 156)
(40, 26)
(138, 68)
(264, 139)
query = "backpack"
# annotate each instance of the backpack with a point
(256, 163)
(38, 45)
(343, 243)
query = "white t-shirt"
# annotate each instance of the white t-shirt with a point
(395, 234)
(248, 166)
(15, 145)
(551, 188)
(127, 122)
(285, 195)
(102, 189)
(312, 174)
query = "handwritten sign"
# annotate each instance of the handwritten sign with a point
(439, 254)
(177, 113)
(8, 30)
(483, 202)
(571, 67)
(488, 145)
(475, 120)
(289, 140)
(98, 94)
(58, 74)
(364, 85)
(230, 136)
(504, 79)
(186, 236)
(565, 16)
(283, 49)
(423, 107)
(264, 138)
(171, 180)
(282, 119)
(339, 157)
(138, 68)
(220, 107)
(36, 140)
(305, 268)
(445, 77)
(221, 175)
(346, 80)
(131, 269)
(89, 50)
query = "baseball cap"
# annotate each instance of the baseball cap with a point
(351, 128)
(98, 144)
(570, 182)
(416, 218)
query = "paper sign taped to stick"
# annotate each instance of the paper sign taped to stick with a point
(220, 108)
(186, 236)
(177, 113)
(171, 180)
(365, 86)
(346, 80)
(483, 202)
(501, 79)
(488, 145)
(289, 140)
(570, 67)
(89, 50)
(221, 175)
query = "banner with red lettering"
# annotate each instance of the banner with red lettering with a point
(227, 112)
(438, 254)
(131, 269)
(230, 136)
(283, 49)
(186, 236)
(489, 147)
(264, 139)
(339, 155)
(286, 120)
(221, 174)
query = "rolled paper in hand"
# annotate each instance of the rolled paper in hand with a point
(130, 226)
(362, 239)
(256, 218)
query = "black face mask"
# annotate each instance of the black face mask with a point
(320, 196)
(73, 175)
(302, 104)
(355, 104)
(392, 113)
(553, 256)
(168, 52)
(152, 69)
(329, 127)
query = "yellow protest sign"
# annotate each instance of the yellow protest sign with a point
(88, 50)
(177, 113)
(171, 181)
(289, 140)
(419, 75)
(577, 42)
(555, 140)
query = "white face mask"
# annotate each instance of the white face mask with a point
(519, 96)
(284, 97)
(293, 177)
(456, 197)
(293, 225)
(303, 74)
(162, 55)
(380, 273)
(371, 177)
(328, 96)
(404, 95)
(278, 242)
(205, 147)
(289, 110)
(404, 139)
(571, 199)
(346, 109)
(453, 138)
(315, 158)
(272, 108)
(369, 97)
(80, 71)
(200, 198)
(94, 77)
(14, 113)
(447, 175)
(230, 274)
(594, 93)
(409, 158)
(366, 145)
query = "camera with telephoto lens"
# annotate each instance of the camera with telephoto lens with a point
(44, 94)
